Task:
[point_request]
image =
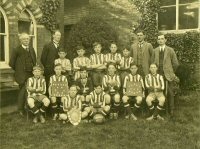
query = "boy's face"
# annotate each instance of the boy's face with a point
(161, 40)
(140, 36)
(80, 52)
(113, 48)
(83, 74)
(97, 49)
(58, 70)
(133, 69)
(126, 52)
(73, 91)
(98, 89)
(153, 68)
(62, 55)
(37, 73)
(111, 69)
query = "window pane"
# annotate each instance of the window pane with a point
(2, 23)
(188, 17)
(2, 48)
(187, 1)
(167, 19)
(168, 2)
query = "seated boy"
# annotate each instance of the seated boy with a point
(36, 88)
(111, 85)
(58, 78)
(72, 100)
(84, 83)
(127, 99)
(99, 103)
(155, 84)
(80, 61)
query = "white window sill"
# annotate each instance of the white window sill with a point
(4, 65)
(179, 31)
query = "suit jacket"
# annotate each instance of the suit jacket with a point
(17, 63)
(147, 51)
(88, 84)
(170, 62)
(49, 54)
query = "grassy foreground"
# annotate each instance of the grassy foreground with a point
(181, 133)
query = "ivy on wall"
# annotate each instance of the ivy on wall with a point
(49, 9)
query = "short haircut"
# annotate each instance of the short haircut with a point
(58, 64)
(73, 85)
(38, 67)
(83, 68)
(62, 50)
(22, 35)
(161, 34)
(111, 63)
(140, 31)
(133, 64)
(153, 64)
(97, 85)
(126, 48)
(112, 42)
(80, 47)
(54, 31)
(95, 44)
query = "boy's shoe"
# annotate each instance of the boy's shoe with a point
(35, 119)
(55, 116)
(42, 119)
(132, 116)
(111, 116)
(115, 116)
(150, 118)
(160, 117)
(127, 117)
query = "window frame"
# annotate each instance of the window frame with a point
(4, 64)
(177, 18)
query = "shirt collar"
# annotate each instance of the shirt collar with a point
(162, 47)
(25, 47)
(56, 44)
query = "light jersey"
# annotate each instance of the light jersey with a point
(70, 102)
(80, 61)
(126, 62)
(64, 62)
(96, 59)
(155, 81)
(133, 78)
(36, 83)
(115, 56)
(60, 78)
(97, 98)
(107, 78)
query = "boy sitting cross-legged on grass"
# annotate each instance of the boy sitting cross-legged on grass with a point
(111, 85)
(155, 84)
(72, 100)
(99, 103)
(59, 95)
(129, 99)
(36, 88)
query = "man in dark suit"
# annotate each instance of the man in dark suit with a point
(49, 54)
(141, 52)
(22, 60)
(167, 63)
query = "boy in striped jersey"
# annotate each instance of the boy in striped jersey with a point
(99, 102)
(125, 63)
(65, 63)
(113, 56)
(98, 64)
(36, 88)
(56, 101)
(80, 61)
(72, 100)
(154, 82)
(111, 85)
(127, 100)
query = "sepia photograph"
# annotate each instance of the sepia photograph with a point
(100, 74)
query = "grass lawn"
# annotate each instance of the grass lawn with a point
(181, 133)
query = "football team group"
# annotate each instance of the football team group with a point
(98, 87)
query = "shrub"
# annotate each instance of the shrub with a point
(88, 31)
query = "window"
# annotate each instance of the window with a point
(27, 23)
(4, 50)
(179, 15)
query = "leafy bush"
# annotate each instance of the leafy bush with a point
(88, 31)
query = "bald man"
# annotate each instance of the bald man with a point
(22, 60)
